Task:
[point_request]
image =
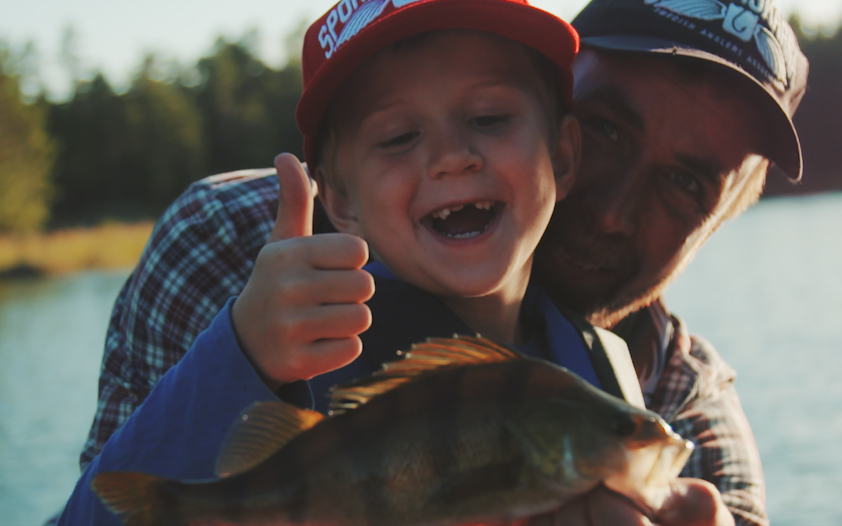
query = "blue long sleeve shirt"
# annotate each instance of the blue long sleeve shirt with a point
(179, 429)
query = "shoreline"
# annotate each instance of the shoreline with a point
(107, 246)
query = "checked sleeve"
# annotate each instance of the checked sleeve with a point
(696, 395)
(200, 254)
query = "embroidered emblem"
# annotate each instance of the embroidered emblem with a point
(353, 15)
(776, 43)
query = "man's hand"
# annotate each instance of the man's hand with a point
(301, 311)
(691, 502)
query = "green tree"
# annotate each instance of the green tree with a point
(93, 169)
(26, 155)
(166, 137)
(249, 109)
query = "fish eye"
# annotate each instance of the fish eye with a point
(625, 427)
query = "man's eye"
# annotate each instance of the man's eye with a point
(684, 181)
(401, 140)
(604, 128)
(489, 121)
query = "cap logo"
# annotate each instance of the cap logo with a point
(757, 20)
(349, 17)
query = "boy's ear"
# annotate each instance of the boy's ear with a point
(567, 155)
(337, 205)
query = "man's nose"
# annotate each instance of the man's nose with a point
(452, 153)
(615, 202)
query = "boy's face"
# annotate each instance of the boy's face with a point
(443, 149)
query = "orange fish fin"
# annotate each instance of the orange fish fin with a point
(434, 354)
(261, 430)
(132, 496)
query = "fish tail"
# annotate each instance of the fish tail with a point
(135, 497)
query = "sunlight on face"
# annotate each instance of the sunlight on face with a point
(443, 148)
(662, 160)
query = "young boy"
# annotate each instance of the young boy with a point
(445, 148)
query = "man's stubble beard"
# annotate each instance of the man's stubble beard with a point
(608, 303)
(609, 307)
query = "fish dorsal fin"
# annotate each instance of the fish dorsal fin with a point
(434, 354)
(261, 430)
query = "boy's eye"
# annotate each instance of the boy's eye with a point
(489, 121)
(400, 140)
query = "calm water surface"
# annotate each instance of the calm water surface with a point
(766, 290)
(51, 338)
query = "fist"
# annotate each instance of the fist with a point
(303, 307)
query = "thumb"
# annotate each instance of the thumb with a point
(295, 200)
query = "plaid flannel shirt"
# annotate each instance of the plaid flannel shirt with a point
(202, 252)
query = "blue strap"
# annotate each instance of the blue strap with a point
(378, 269)
(560, 337)
(556, 339)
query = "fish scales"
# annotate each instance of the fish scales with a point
(483, 441)
(426, 431)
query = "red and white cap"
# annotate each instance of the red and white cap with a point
(353, 30)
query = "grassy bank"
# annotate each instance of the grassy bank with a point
(109, 246)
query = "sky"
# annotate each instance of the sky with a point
(112, 36)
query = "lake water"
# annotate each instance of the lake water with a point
(766, 290)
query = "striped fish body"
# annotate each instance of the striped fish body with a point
(486, 442)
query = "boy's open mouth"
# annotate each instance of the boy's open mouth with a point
(463, 221)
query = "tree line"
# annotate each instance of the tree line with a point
(103, 154)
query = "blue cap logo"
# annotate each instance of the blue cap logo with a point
(750, 20)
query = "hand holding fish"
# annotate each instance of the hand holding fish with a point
(301, 311)
(690, 502)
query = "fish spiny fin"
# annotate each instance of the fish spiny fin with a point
(260, 431)
(132, 496)
(434, 354)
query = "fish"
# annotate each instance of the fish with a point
(459, 431)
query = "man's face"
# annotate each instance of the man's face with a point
(444, 150)
(663, 159)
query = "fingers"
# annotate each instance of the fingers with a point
(690, 502)
(694, 502)
(324, 251)
(328, 287)
(295, 201)
(324, 341)
(304, 305)
(600, 507)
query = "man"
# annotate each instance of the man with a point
(682, 106)
(683, 103)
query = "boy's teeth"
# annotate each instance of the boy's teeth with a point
(444, 212)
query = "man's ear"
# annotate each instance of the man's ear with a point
(337, 205)
(567, 155)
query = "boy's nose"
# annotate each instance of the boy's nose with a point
(453, 154)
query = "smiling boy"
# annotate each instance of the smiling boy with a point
(445, 149)
(436, 131)
(444, 165)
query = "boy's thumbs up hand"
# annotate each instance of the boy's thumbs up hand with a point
(301, 311)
